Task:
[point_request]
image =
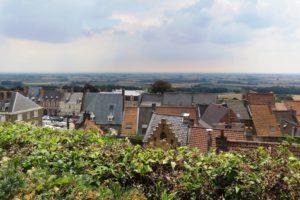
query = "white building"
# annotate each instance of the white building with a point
(71, 103)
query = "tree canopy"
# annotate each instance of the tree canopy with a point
(161, 86)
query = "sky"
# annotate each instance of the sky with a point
(69, 36)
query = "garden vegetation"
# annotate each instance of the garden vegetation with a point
(42, 163)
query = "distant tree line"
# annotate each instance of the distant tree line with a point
(11, 84)
(101, 88)
(204, 89)
(276, 89)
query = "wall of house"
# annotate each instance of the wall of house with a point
(51, 106)
(130, 118)
(69, 109)
(131, 101)
(170, 141)
(26, 117)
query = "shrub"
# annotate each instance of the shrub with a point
(41, 163)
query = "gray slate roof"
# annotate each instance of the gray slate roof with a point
(188, 99)
(100, 103)
(179, 128)
(18, 103)
(148, 99)
(214, 113)
(72, 98)
(34, 93)
(239, 108)
(52, 94)
(285, 116)
(145, 115)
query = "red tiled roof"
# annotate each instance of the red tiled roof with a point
(130, 117)
(260, 98)
(264, 121)
(280, 107)
(178, 110)
(199, 137)
(295, 105)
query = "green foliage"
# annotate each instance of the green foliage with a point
(41, 163)
(161, 86)
(284, 97)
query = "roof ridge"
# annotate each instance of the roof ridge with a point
(15, 100)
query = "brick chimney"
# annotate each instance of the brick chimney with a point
(123, 95)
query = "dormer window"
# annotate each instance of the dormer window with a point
(110, 118)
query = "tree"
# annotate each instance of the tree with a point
(161, 86)
(90, 88)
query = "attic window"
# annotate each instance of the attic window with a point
(128, 126)
(110, 118)
(163, 135)
(273, 129)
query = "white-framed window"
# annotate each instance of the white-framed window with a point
(28, 116)
(20, 117)
(2, 118)
(36, 114)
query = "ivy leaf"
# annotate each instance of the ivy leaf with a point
(173, 165)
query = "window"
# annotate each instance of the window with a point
(128, 126)
(111, 108)
(20, 117)
(229, 126)
(2, 118)
(36, 122)
(172, 142)
(36, 114)
(136, 98)
(127, 98)
(163, 135)
(28, 116)
(273, 129)
(110, 118)
(154, 139)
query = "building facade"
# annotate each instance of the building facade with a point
(17, 107)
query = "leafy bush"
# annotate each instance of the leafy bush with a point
(41, 163)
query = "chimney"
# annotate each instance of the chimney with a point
(26, 89)
(123, 95)
(209, 139)
(222, 133)
(186, 118)
(293, 112)
(153, 106)
(42, 92)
